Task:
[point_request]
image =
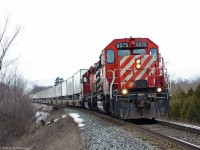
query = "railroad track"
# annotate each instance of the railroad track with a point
(178, 126)
(171, 140)
(180, 132)
(160, 140)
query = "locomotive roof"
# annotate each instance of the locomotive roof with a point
(131, 38)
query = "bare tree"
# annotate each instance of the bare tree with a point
(16, 111)
(5, 42)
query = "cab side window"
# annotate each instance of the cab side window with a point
(110, 56)
(153, 51)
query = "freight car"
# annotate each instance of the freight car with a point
(128, 81)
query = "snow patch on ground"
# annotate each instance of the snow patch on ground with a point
(77, 119)
(40, 115)
(48, 122)
(64, 116)
(56, 119)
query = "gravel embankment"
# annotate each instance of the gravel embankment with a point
(101, 134)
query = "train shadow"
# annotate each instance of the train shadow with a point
(142, 121)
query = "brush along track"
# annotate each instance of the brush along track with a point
(157, 139)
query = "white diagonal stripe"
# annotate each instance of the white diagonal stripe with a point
(127, 66)
(145, 68)
(140, 75)
(123, 59)
(128, 76)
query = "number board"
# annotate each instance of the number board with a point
(122, 45)
(141, 44)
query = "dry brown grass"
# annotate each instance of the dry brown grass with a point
(16, 111)
(61, 135)
(15, 120)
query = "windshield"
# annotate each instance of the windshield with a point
(127, 52)
(139, 51)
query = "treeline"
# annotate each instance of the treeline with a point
(185, 100)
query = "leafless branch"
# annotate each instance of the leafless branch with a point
(4, 30)
(7, 41)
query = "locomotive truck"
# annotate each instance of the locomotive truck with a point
(128, 81)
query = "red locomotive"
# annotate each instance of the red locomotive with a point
(129, 81)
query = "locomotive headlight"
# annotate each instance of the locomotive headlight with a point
(138, 66)
(138, 63)
(124, 91)
(159, 89)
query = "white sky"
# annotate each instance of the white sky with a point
(60, 37)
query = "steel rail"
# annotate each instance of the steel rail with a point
(178, 126)
(179, 143)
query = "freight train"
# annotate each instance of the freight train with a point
(128, 81)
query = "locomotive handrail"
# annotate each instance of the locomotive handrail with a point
(113, 72)
(169, 88)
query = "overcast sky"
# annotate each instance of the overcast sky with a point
(59, 37)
